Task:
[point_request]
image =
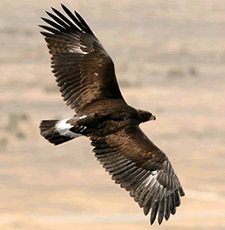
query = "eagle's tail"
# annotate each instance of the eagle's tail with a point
(57, 131)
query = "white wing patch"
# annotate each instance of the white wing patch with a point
(81, 117)
(152, 178)
(77, 49)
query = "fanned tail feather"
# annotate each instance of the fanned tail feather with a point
(53, 134)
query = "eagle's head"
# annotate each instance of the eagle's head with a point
(145, 116)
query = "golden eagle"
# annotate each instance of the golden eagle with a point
(86, 77)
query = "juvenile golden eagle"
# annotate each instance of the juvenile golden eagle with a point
(85, 75)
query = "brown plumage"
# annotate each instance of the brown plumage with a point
(86, 78)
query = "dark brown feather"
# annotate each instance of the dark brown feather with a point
(83, 69)
(86, 77)
(142, 169)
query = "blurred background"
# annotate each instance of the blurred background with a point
(169, 58)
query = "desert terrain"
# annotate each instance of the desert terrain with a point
(169, 58)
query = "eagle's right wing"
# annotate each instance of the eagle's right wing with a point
(83, 69)
(142, 169)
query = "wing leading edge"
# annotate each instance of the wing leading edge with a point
(83, 69)
(142, 169)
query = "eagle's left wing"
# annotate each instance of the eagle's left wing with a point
(83, 69)
(142, 169)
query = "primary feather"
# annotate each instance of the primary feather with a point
(86, 78)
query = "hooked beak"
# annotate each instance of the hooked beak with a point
(152, 118)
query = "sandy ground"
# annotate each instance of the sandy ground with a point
(169, 58)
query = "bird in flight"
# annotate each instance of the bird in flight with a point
(86, 78)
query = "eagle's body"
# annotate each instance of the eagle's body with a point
(86, 78)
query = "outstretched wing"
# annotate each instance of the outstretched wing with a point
(142, 169)
(83, 69)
